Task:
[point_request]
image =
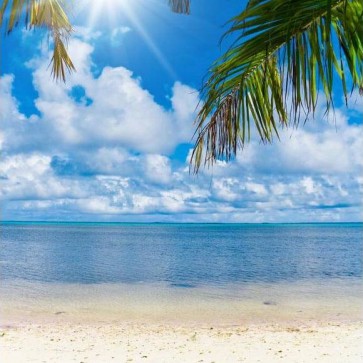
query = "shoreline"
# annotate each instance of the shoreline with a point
(289, 323)
(255, 333)
(242, 304)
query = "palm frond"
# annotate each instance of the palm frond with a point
(51, 14)
(180, 6)
(48, 14)
(284, 52)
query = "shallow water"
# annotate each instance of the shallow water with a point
(188, 272)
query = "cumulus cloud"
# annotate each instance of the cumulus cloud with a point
(321, 146)
(114, 109)
(102, 148)
(157, 169)
(30, 177)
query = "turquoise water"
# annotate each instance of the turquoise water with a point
(180, 255)
(211, 273)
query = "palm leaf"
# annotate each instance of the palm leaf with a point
(180, 6)
(51, 14)
(48, 14)
(284, 52)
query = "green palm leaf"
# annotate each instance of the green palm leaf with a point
(52, 15)
(48, 14)
(284, 52)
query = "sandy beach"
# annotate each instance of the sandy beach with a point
(127, 323)
(66, 308)
(135, 342)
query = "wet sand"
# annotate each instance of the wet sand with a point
(101, 324)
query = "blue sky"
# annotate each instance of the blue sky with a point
(112, 144)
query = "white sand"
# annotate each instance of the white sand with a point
(103, 324)
(134, 342)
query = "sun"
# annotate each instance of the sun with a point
(109, 9)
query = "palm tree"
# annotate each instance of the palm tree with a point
(284, 52)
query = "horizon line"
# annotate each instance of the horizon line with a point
(160, 222)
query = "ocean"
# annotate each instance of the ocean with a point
(125, 267)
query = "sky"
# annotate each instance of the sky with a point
(113, 143)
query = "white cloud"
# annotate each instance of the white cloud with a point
(327, 148)
(309, 185)
(30, 176)
(86, 33)
(185, 102)
(108, 160)
(256, 188)
(224, 188)
(106, 152)
(97, 205)
(117, 35)
(120, 112)
(157, 169)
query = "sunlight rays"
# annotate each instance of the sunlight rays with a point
(134, 20)
(112, 11)
(109, 8)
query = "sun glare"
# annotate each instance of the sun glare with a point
(110, 9)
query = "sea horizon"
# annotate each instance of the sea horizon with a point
(177, 223)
